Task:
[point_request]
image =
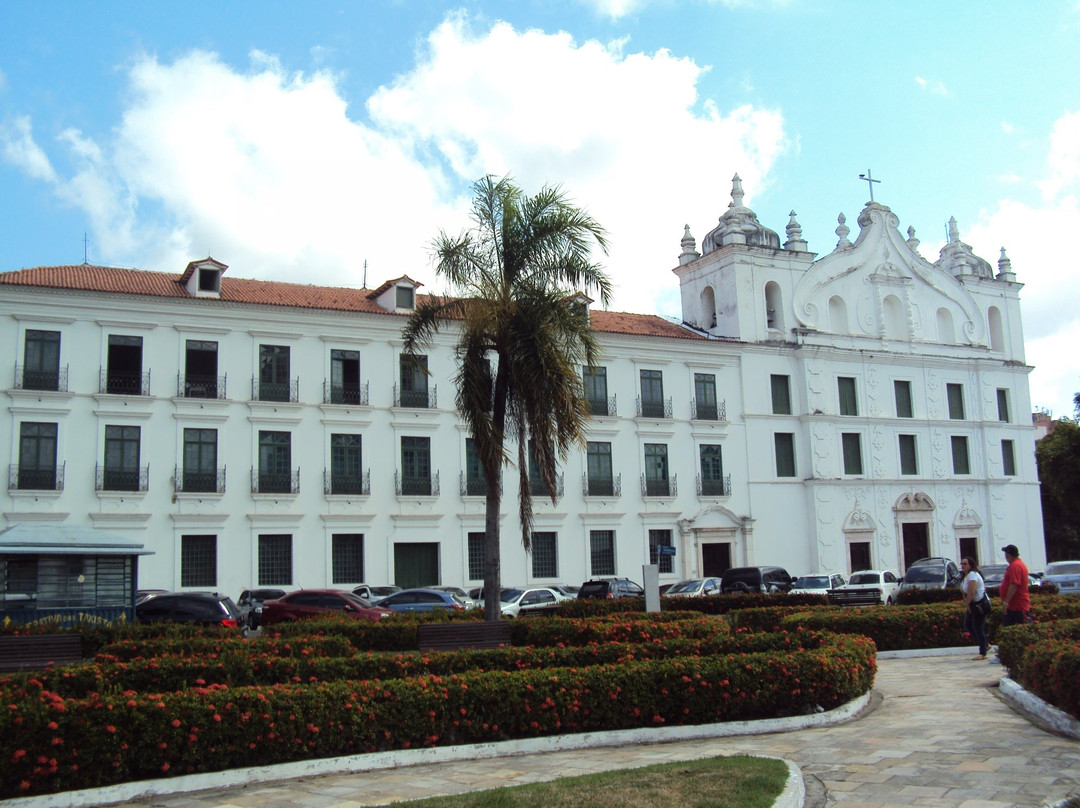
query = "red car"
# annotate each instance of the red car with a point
(307, 603)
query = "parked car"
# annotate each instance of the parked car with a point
(374, 593)
(523, 601)
(1066, 574)
(199, 608)
(694, 587)
(565, 589)
(931, 573)
(993, 573)
(463, 596)
(768, 580)
(251, 604)
(143, 594)
(610, 588)
(307, 603)
(817, 584)
(420, 600)
(866, 588)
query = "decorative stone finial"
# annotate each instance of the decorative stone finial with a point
(1005, 272)
(954, 231)
(736, 192)
(689, 247)
(912, 242)
(842, 231)
(795, 240)
(958, 259)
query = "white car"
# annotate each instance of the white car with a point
(521, 601)
(817, 584)
(867, 588)
(694, 587)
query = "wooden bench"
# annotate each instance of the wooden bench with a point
(455, 635)
(22, 652)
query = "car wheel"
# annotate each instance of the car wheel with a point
(889, 602)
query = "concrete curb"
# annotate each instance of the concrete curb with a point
(1038, 710)
(144, 789)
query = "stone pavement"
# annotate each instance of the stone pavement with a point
(936, 734)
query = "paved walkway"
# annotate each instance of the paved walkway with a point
(937, 735)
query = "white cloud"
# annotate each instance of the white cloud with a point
(18, 147)
(932, 86)
(1007, 128)
(1064, 158)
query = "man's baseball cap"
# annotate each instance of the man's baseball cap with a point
(1010, 549)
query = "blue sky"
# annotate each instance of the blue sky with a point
(297, 141)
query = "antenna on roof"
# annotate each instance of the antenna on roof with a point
(365, 274)
(85, 248)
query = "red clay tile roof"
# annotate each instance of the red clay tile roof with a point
(90, 278)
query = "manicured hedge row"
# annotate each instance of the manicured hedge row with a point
(709, 604)
(53, 744)
(1045, 659)
(304, 645)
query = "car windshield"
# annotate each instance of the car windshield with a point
(684, 586)
(865, 578)
(812, 582)
(510, 595)
(356, 600)
(748, 575)
(994, 570)
(1063, 568)
(925, 574)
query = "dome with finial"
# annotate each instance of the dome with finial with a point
(958, 259)
(739, 225)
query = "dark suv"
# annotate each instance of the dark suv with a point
(931, 573)
(610, 588)
(766, 580)
(251, 604)
(199, 608)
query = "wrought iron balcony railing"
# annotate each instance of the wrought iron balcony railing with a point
(417, 399)
(539, 488)
(25, 479)
(660, 488)
(654, 409)
(601, 486)
(199, 482)
(124, 383)
(275, 483)
(708, 412)
(713, 487)
(288, 391)
(602, 406)
(355, 484)
(416, 486)
(472, 486)
(55, 380)
(110, 479)
(192, 385)
(345, 394)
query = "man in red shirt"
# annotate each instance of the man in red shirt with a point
(1014, 588)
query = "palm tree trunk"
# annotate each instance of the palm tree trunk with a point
(491, 457)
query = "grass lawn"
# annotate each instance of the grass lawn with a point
(736, 781)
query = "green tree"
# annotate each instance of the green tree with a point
(1058, 459)
(514, 277)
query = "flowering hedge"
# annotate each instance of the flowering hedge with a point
(1045, 659)
(706, 604)
(53, 743)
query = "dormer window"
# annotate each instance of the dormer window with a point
(203, 278)
(405, 297)
(210, 281)
(396, 296)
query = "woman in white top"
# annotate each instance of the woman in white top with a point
(974, 589)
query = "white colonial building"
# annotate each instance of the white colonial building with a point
(858, 410)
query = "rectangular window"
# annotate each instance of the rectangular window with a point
(346, 464)
(1008, 458)
(198, 561)
(909, 459)
(476, 556)
(601, 552)
(274, 381)
(781, 394)
(1003, 404)
(41, 360)
(852, 445)
(594, 381)
(784, 443)
(537, 484)
(200, 460)
(275, 462)
(124, 371)
(652, 394)
(955, 393)
(960, 461)
(849, 405)
(404, 297)
(705, 408)
(414, 380)
(344, 377)
(201, 370)
(416, 466)
(275, 560)
(601, 479)
(37, 456)
(660, 538)
(712, 470)
(545, 560)
(656, 470)
(121, 459)
(904, 406)
(347, 562)
(475, 481)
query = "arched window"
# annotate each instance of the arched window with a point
(838, 315)
(708, 308)
(997, 334)
(945, 330)
(895, 321)
(774, 306)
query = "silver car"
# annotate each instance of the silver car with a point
(1066, 574)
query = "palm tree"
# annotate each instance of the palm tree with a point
(514, 278)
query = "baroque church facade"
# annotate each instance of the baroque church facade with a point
(857, 410)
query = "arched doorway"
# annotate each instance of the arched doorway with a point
(914, 513)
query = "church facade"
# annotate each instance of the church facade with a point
(856, 410)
